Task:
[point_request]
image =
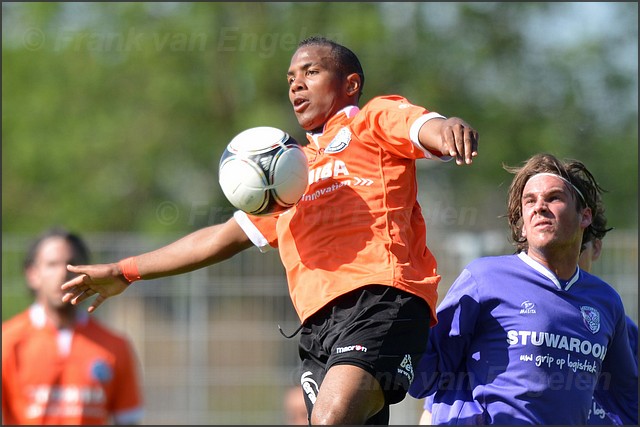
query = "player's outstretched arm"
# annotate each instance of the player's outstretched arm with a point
(101, 279)
(450, 137)
(199, 249)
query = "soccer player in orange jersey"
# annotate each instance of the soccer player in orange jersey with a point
(60, 365)
(360, 275)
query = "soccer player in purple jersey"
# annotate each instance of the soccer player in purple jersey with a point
(529, 338)
(598, 415)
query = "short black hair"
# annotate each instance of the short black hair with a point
(345, 61)
(81, 254)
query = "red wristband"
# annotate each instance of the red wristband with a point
(129, 269)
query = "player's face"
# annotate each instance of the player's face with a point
(551, 221)
(49, 271)
(316, 89)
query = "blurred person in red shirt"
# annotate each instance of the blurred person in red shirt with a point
(60, 365)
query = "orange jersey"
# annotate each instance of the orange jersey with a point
(359, 222)
(92, 379)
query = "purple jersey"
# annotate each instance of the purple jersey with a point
(599, 413)
(515, 345)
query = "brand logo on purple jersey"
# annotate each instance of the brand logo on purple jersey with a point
(591, 318)
(528, 307)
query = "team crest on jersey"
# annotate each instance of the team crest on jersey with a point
(339, 142)
(591, 318)
(528, 307)
(101, 371)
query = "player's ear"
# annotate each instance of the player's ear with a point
(32, 277)
(586, 218)
(353, 84)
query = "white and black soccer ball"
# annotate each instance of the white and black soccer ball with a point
(263, 171)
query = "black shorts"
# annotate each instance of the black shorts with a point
(380, 329)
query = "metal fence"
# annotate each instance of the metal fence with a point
(209, 347)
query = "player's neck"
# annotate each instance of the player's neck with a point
(61, 317)
(561, 263)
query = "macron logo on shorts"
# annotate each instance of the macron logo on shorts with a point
(348, 348)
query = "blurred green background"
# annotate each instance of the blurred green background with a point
(114, 117)
(113, 112)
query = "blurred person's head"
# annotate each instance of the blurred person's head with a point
(295, 408)
(590, 254)
(45, 266)
(592, 243)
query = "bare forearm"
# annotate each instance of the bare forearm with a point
(199, 249)
(430, 138)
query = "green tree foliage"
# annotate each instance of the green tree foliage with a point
(115, 114)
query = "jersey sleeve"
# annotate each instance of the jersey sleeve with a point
(617, 388)
(449, 340)
(428, 403)
(394, 123)
(7, 417)
(260, 230)
(632, 330)
(127, 400)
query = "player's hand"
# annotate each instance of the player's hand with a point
(103, 280)
(459, 140)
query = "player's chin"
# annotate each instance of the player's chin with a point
(307, 121)
(304, 123)
(64, 306)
